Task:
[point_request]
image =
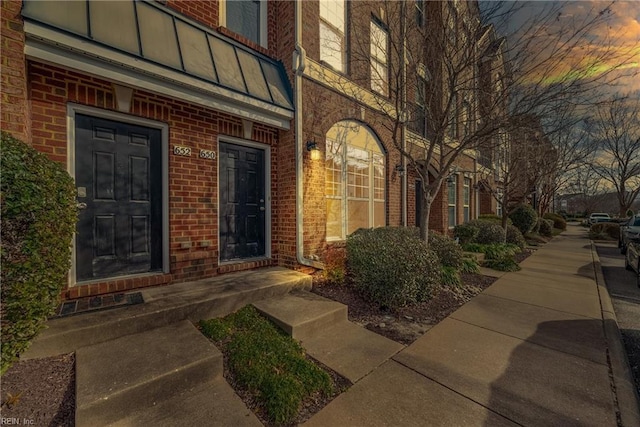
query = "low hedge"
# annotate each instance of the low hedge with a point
(392, 266)
(524, 217)
(466, 233)
(545, 227)
(488, 232)
(38, 222)
(515, 237)
(604, 230)
(448, 251)
(558, 221)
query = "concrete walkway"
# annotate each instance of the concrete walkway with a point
(539, 347)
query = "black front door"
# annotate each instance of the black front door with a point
(118, 170)
(242, 202)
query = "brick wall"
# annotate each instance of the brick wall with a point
(192, 181)
(15, 117)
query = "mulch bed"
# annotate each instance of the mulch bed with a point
(42, 391)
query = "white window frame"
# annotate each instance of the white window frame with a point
(335, 28)
(379, 65)
(343, 195)
(262, 31)
(452, 185)
(466, 200)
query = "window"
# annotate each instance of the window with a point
(418, 123)
(453, 116)
(247, 18)
(354, 180)
(379, 71)
(420, 17)
(452, 196)
(499, 204)
(332, 45)
(466, 198)
(467, 119)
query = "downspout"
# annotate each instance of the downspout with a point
(299, 64)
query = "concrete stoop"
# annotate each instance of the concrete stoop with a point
(203, 299)
(324, 331)
(168, 375)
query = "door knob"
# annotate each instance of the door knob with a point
(261, 208)
(81, 205)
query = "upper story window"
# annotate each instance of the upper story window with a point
(379, 59)
(453, 117)
(332, 40)
(452, 199)
(354, 180)
(247, 18)
(466, 199)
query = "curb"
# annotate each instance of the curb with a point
(628, 401)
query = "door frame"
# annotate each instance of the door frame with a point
(72, 110)
(267, 193)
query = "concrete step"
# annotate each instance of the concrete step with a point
(302, 314)
(164, 305)
(116, 379)
(351, 350)
(213, 403)
(321, 326)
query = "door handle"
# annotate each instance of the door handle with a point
(81, 205)
(262, 208)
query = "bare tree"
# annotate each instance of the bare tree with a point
(450, 85)
(616, 131)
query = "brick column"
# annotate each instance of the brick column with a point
(15, 116)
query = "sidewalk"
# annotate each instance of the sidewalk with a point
(532, 350)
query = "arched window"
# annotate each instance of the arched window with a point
(354, 180)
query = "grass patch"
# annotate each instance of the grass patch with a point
(269, 364)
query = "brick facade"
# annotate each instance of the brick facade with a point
(35, 102)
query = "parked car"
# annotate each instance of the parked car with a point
(632, 258)
(629, 230)
(598, 217)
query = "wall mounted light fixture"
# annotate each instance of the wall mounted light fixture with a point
(314, 150)
(400, 169)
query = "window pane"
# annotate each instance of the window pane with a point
(334, 219)
(357, 173)
(452, 191)
(195, 51)
(333, 170)
(378, 43)
(105, 16)
(378, 177)
(452, 216)
(466, 213)
(331, 46)
(358, 215)
(332, 11)
(379, 77)
(243, 17)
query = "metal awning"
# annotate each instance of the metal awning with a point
(147, 45)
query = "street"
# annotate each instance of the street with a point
(626, 301)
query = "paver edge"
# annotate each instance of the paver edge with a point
(628, 401)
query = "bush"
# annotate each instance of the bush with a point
(470, 265)
(448, 251)
(38, 222)
(515, 237)
(493, 218)
(524, 217)
(392, 266)
(558, 221)
(466, 233)
(501, 257)
(335, 264)
(545, 227)
(450, 277)
(489, 232)
(604, 231)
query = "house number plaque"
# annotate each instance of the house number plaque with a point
(207, 154)
(179, 150)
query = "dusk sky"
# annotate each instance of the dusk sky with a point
(617, 33)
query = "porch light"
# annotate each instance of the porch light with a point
(314, 150)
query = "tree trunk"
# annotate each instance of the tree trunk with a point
(424, 216)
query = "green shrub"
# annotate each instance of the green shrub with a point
(466, 233)
(524, 217)
(450, 276)
(515, 237)
(473, 247)
(503, 264)
(392, 266)
(493, 218)
(604, 231)
(469, 265)
(448, 251)
(38, 222)
(501, 257)
(545, 227)
(489, 232)
(268, 362)
(558, 221)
